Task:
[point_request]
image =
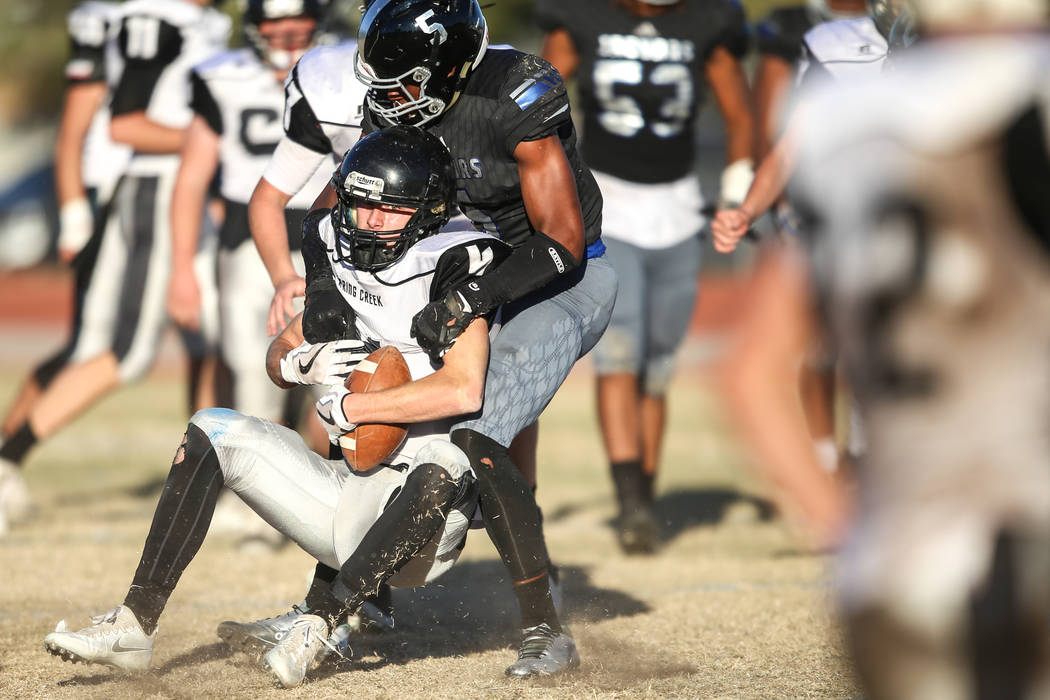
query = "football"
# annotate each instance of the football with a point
(370, 444)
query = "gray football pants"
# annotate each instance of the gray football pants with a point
(321, 504)
(542, 336)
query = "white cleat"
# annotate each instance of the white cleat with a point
(260, 636)
(15, 503)
(298, 651)
(114, 639)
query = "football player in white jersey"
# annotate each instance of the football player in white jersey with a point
(930, 255)
(403, 521)
(322, 116)
(87, 167)
(237, 101)
(158, 41)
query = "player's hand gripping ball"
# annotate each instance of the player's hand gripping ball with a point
(371, 444)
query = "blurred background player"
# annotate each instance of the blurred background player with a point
(930, 254)
(641, 67)
(238, 100)
(158, 41)
(87, 167)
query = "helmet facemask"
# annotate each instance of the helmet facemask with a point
(371, 250)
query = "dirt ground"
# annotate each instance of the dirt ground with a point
(733, 606)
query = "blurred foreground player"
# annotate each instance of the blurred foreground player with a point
(930, 253)
(403, 521)
(642, 69)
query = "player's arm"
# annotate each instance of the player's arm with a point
(730, 225)
(729, 86)
(82, 101)
(135, 121)
(455, 389)
(197, 167)
(287, 340)
(291, 360)
(560, 52)
(772, 81)
(296, 158)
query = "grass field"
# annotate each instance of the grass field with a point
(733, 606)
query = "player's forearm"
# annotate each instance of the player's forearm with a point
(289, 339)
(144, 135)
(81, 103)
(270, 232)
(455, 389)
(770, 179)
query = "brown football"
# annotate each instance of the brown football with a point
(371, 444)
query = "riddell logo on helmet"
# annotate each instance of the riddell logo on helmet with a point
(557, 260)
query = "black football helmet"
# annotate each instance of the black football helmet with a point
(884, 13)
(431, 44)
(401, 166)
(258, 11)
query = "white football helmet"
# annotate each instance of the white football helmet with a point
(949, 14)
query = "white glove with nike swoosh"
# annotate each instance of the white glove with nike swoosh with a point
(323, 363)
(330, 411)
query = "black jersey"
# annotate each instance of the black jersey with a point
(780, 33)
(510, 97)
(641, 79)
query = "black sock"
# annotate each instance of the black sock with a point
(648, 487)
(406, 525)
(179, 526)
(630, 485)
(324, 575)
(16, 446)
(513, 522)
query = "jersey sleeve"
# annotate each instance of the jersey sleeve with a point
(460, 263)
(300, 123)
(87, 42)
(203, 103)
(731, 33)
(148, 46)
(780, 35)
(533, 103)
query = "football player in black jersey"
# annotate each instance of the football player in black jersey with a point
(505, 117)
(642, 68)
(403, 521)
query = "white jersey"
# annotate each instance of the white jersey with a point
(385, 301)
(845, 50)
(323, 110)
(92, 28)
(931, 256)
(242, 101)
(160, 41)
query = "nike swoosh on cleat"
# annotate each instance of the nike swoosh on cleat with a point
(119, 649)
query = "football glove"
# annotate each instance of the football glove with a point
(323, 363)
(440, 322)
(330, 411)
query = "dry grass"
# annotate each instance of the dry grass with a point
(731, 607)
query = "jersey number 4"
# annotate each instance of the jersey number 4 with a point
(622, 115)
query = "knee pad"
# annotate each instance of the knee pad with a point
(215, 422)
(445, 454)
(658, 373)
